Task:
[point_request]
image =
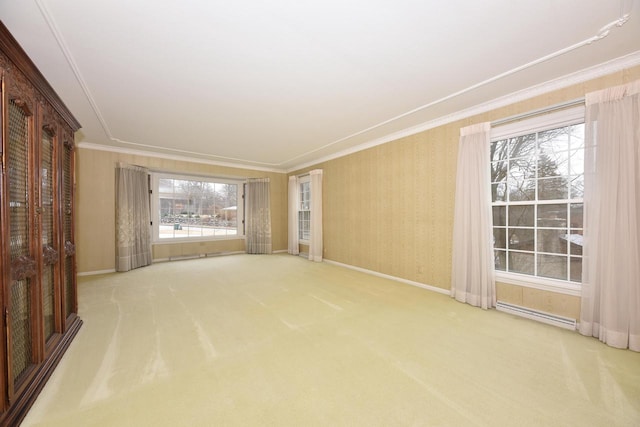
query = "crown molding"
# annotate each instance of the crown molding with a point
(591, 73)
(146, 153)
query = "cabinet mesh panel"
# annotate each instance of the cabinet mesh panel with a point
(20, 327)
(20, 309)
(67, 196)
(48, 281)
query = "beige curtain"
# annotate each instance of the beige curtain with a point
(294, 193)
(133, 233)
(473, 275)
(315, 240)
(258, 216)
(611, 255)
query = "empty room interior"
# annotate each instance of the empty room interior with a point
(320, 213)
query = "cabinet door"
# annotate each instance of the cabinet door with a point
(69, 255)
(49, 232)
(19, 292)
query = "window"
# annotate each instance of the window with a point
(304, 210)
(537, 181)
(196, 208)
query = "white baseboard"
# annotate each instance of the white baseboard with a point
(93, 273)
(387, 276)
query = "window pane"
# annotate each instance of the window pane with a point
(521, 215)
(576, 269)
(500, 238)
(522, 190)
(521, 263)
(577, 187)
(499, 192)
(552, 266)
(577, 218)
(576, 136)
(554, 215)
(522, 146)
(521, 239)
(523, 168)
(552, 188)
(553, 164)
(499, 150)
(499, 171)
(554, 140)
(552, 241)
(499, 215)
(576, 162)
(500, 260)
(575, 242)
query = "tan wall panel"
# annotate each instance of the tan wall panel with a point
(95, 226)
(390, 208)
(551, 302)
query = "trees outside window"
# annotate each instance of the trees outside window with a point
(196, 207)
(537, 181)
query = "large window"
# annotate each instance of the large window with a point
(537, 170)
(304, 210)
(192, 208)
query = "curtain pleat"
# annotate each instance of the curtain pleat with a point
(473, 275)
(315, 240)
(133, 234)
(293, 247)
(611, 255)
(258, 216)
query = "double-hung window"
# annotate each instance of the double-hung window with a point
(304, 210)
(186, 208)
(537, 181)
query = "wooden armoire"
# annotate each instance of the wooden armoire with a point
(37, 251)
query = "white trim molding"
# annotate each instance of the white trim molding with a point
(609, 67)
(387, 276)
(131, 151)
(97, 272)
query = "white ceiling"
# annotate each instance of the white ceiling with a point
(279, 84)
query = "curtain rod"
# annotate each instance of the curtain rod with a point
(556, 107)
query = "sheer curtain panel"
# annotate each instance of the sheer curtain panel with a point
(315, 241)
(611, 256)
(293, 248)
(258, 216)
(133, 227)
(473, 276)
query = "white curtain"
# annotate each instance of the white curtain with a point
(315, 241)
(611, 253)
(258, 216)
(133, 234)
(473, 275)
(294, 193)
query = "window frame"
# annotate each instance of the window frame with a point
(302, 181)
(538, 123)
(155, 207)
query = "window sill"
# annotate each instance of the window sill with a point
(551, 285)
(170, 241)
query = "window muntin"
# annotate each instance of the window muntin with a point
(196, 208)
(304, 210)
(537, 188)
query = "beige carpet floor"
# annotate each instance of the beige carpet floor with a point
(249, 340)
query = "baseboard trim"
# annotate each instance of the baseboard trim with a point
(94, 273)
(387, 276)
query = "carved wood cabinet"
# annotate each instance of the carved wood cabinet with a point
(37, 252)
